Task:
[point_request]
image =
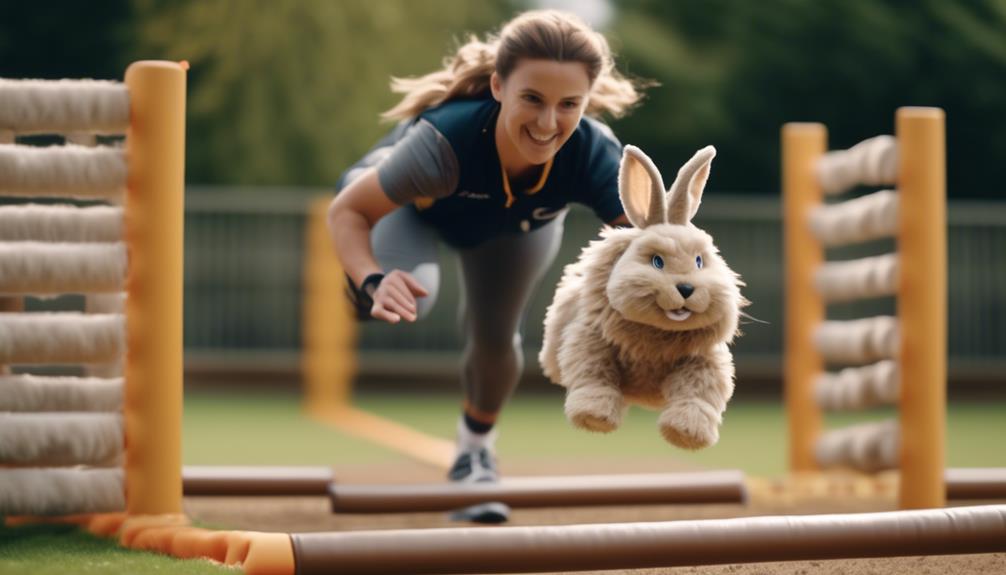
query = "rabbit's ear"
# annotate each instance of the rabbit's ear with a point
(685, 195)
(641, 189)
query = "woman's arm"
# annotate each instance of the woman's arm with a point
(351, 216)
(621, 221)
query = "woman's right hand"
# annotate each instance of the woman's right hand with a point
(395, 297)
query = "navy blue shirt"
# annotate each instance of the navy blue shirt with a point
(456, 184)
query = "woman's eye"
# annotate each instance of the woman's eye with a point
(530, 98)
(657, 261)
(570, 105)
(698, 262)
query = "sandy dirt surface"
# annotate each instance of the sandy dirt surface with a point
(308, 514)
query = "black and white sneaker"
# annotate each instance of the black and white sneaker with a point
(477, 466)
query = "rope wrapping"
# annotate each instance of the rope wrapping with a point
(872, 162)
(68, 171)
(60, 223)
(61, 338)
(61, 438)
(33, 393)
(870, 217)
(859, 387)
(869, 277)
(857, 341)
(58, 491)
(868, 447)
(60, 106)
(45, 268)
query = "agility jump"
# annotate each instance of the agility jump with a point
(895, 360)
(53, 424)
(126, 431)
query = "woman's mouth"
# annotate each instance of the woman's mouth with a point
(541, 139)
(680, 314)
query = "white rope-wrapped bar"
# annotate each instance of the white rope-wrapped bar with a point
(857, 341)
(868, 447)
(857, 279)
(60, 223)
(62, 171)
(33, 393)
(60, 106)
(49, 338)
(60, 438)
(858, 387)
(872, 162)
(870, 217)
(105, 303)
(47, 268)
(61, 491)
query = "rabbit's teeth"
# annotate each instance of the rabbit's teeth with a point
(679, 314)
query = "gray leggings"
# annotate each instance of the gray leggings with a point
(497, 280)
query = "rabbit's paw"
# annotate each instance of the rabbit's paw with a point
(595, 408)
(689, 425)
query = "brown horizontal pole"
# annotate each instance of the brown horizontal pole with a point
(976, 483)
(586, 490)
(236, 480)
(980, 529)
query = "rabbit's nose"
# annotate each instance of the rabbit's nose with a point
(685, 289)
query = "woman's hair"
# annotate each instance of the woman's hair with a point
(537, 34)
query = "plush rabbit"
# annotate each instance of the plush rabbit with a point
(645, 315)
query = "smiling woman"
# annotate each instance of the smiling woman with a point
(487, 154)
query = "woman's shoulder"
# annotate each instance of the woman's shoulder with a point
(461, 117)
(594, 141)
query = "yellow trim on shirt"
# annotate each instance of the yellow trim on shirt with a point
(537, 187)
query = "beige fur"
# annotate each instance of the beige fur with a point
(610, 337)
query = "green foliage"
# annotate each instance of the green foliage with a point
(733, 72)
(289, 91)
(64, 39)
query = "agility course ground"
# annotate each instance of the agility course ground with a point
(268, 428)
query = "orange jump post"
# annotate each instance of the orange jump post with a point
(803, 144)
(329, 361)
(154, 223)
(922, 305)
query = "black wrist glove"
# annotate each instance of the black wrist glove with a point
(362, 297)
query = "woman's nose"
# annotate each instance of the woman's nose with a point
(546, 119)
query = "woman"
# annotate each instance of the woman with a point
(487, 155)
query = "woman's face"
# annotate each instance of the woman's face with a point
(541, 102)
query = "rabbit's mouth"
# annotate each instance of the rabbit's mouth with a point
(680, 314)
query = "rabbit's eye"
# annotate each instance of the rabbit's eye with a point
(698, 262)
(657, 261)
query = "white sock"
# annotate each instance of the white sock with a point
(468, 440)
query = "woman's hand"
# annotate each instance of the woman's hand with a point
(395, 297)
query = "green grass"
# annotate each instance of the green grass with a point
(268, 429)
(223, 429)
(61, 549)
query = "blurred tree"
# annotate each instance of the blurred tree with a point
(64, 39)
(289, 91)
(733, 72)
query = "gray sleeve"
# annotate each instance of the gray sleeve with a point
(421, 165)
